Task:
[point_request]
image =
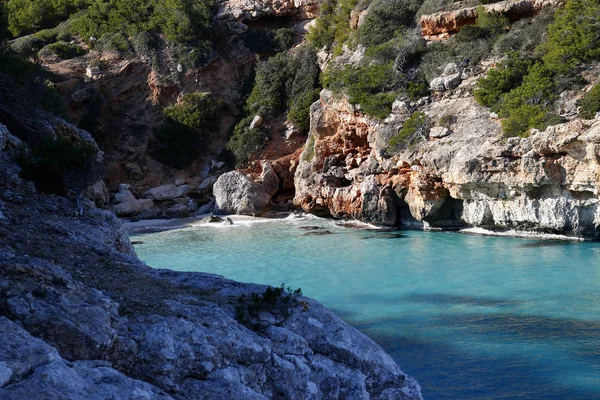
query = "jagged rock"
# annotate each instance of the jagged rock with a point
(32, 369)
(3, 137)
(438, 132)
(207, 183)
(167, 192)
(235, 193)
(179, 182)
(452, 81)
(244, 10)
(256, 122)
(98, 193)
(211, 219)
(127, 204)
(269, 179)
(446, 22)
(545, 182)
(437, 84)
(134, 171)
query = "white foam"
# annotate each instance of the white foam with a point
(519, 234)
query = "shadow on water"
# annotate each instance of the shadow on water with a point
(546, 243)
(477, 374)
(436, 298)
(386, 236)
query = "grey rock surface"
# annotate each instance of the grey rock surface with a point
(82, 318)
(236, 193)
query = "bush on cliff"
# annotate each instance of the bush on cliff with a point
(590, 103)
(413, 130)
(371, 86)
(506, 76)
(574, 35)
(246, 142)
(57, 165)
(187, 128)
(385, 20)
(332, 28)
(27, 16)
(286, 82)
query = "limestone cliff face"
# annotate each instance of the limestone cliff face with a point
(467, 176)
(448, 22)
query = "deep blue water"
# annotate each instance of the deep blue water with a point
(470, 317)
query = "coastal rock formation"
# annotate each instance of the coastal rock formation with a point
(448, 22)
(464, 176)
(244, 10)
(235, 193)
(81, 317)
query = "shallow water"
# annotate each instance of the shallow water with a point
(470, 317)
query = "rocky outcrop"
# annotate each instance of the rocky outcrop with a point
(465, 174)
(449, 22)
(244, 10)
(235, 193)
(82, 318)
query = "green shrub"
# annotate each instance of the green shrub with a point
(299, 113)
(537, 89)
(530, 104)
(26, 16)
(590, 103)
(332, 28)
(527, 116)
(27, 46)
(447, 120)
(573, 37)
(246, 142)
(526, 34)
(56, 165)
(433, 6)
(413, 130)
(286, 82)
(116, 42)
(62, 50)
(276, 301)
(262, 40)
(186, 129)
(371, 86)
(501, 80)
(385, 20)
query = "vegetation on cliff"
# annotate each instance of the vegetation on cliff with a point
(186, 132)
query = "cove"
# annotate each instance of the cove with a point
(469, 316)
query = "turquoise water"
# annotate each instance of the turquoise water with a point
(470, 317)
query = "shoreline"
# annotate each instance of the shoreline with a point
(146, 226)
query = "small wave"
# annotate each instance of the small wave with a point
(519, 234)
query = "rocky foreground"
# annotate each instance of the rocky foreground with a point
(82, 318)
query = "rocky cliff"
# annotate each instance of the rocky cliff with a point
(82, 318)
(461, 174)
(448, 22)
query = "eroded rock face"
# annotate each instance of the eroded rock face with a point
(448, 22)
(244, 10)
(464, 176)
(81, 316)
(235, 193)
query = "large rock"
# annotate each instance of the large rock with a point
(269, 179)
(167, 192)
(98, 193)
(31, 369)
(235, 193)
(127, 205)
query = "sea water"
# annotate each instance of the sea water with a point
(469, 316)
